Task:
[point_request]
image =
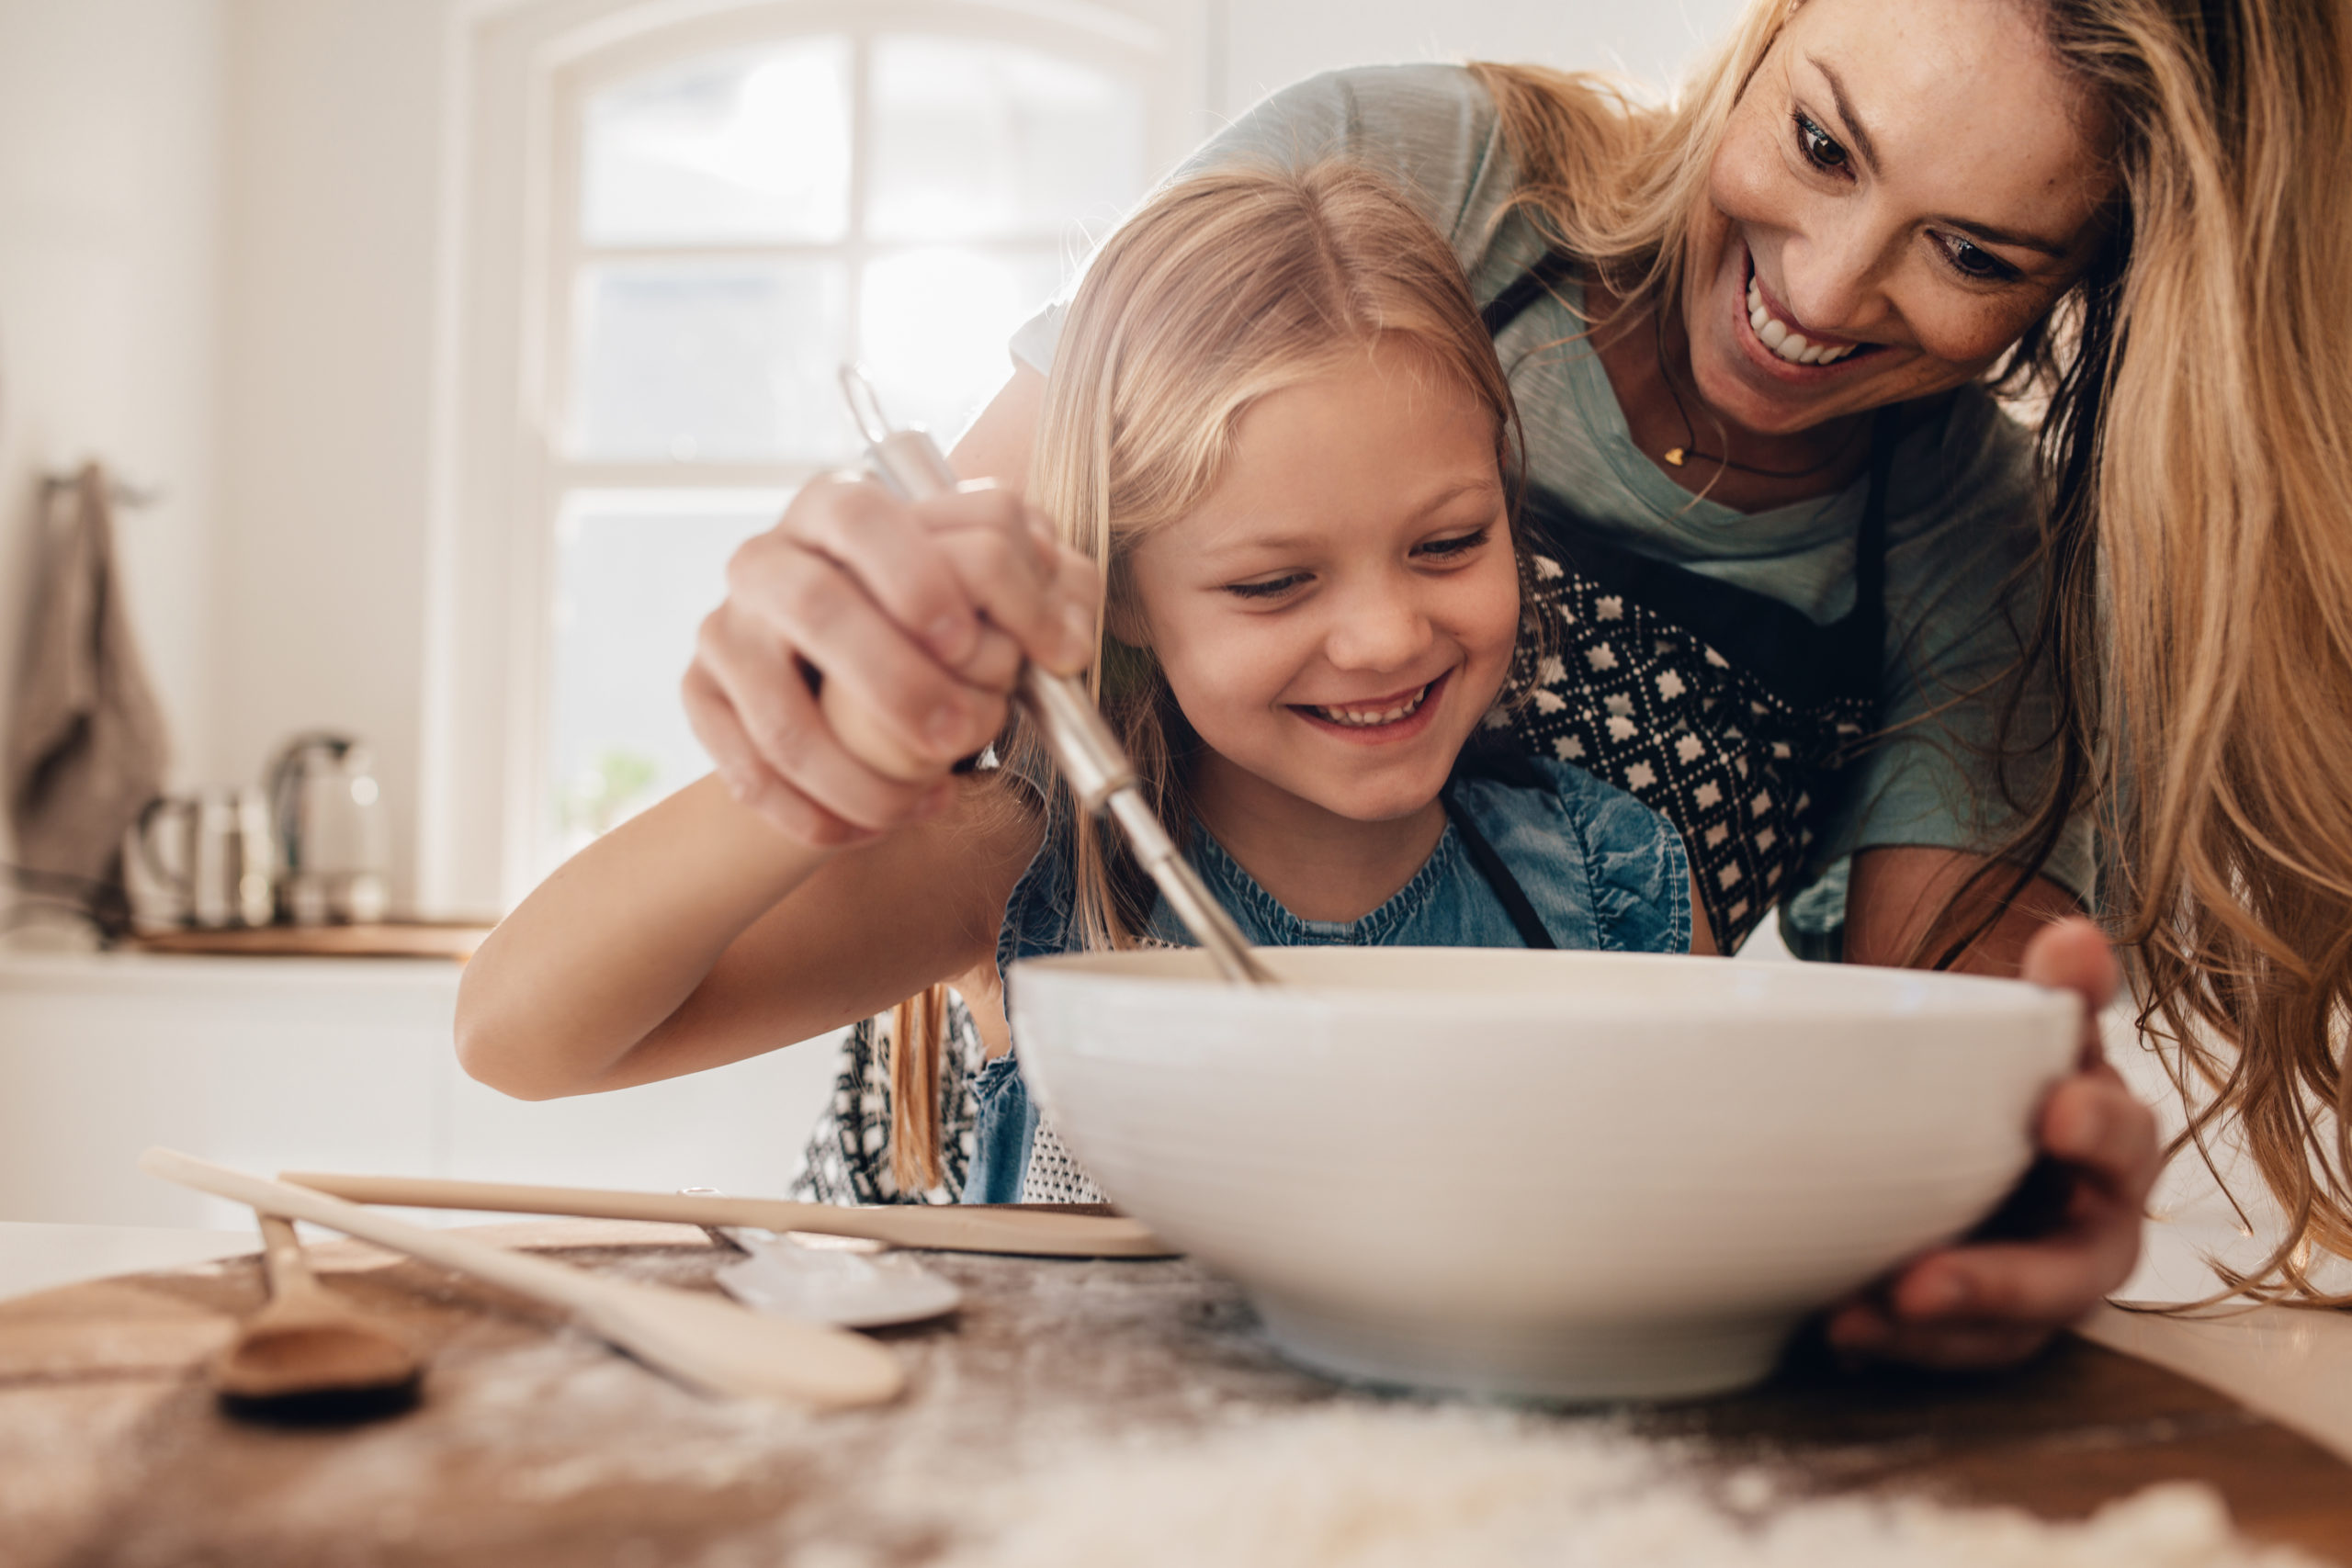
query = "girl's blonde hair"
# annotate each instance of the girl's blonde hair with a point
(2197, 447)
(1223, 287)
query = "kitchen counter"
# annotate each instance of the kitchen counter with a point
(536, 1445)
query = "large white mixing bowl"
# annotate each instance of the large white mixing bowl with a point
(1549, 1175)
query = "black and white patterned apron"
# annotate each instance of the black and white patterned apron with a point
(1727, 711)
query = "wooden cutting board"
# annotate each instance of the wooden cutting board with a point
(534, 1446)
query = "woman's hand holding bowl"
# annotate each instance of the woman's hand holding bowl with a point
(1988, 1302)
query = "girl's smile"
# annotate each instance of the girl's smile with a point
(1381, 720)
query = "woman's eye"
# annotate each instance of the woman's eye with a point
(1971, 260)
(1820, 149)
(1460, 544)
(1272, 588)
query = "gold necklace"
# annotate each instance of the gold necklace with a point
(1677, 457)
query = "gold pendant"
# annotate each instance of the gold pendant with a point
(1674, 455)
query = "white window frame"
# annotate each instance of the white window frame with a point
(510, 183)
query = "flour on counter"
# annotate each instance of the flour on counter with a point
(1374, 1488)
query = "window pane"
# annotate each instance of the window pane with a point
(744, 147)
(932, 325)
(634, 576)
(975, 139)
(710, 362)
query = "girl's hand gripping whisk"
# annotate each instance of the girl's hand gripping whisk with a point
(1091, 758)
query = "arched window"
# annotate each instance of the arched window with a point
(731, 214)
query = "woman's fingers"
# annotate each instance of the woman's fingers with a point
(2073, 955)
(2095, 1124)
(1864, 1329)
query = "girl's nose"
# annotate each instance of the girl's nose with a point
(1381, 629)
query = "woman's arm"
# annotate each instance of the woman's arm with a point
(1899, 894)
(696, 934)
(1991, 1303)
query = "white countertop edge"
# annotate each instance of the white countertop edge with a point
(115, 974)
(2292, 1364)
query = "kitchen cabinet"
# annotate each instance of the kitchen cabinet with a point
(326, 1065)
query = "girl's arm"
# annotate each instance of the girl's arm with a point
(696, 934)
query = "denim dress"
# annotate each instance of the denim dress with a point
(1532, 849)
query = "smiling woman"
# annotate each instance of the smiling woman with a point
(2120, 209)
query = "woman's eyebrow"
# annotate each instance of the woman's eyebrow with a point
(1859, 134)
(1856, 131)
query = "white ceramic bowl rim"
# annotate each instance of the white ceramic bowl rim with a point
(1592, 985)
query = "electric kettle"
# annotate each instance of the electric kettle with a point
(334, 849)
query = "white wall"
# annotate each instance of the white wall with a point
(1270, 43)
(332, 144)
(109, 223)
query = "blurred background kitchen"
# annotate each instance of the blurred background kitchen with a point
(433, 355)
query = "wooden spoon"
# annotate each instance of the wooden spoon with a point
(308, 1355)
(703, 1340)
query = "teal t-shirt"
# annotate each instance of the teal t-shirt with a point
(1962, 505)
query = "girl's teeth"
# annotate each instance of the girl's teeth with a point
(1790, 345)
(1365, 718)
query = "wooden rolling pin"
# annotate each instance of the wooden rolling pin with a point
(703, 1340)
(952, 1227)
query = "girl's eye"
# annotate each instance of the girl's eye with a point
(1820, 149)
(1971, 260)
(1272, 588)
(1460, 544)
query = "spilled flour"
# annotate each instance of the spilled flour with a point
(1373, 1487)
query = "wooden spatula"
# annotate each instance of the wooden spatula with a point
(946, 1227)
(308, 1355)
(703, 1340)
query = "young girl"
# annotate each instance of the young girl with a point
(1277, 422)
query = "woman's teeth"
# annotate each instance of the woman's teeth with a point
(1365, 717)
(1789, 345)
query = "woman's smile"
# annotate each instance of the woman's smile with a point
(1773, 330)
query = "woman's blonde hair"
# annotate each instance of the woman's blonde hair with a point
(2197, 447)
(1221, 288)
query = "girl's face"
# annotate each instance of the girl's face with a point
(1907, 185)
(1339, 614)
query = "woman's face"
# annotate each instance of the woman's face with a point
(1904, 189)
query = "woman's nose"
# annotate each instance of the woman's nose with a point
(1829, 275)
